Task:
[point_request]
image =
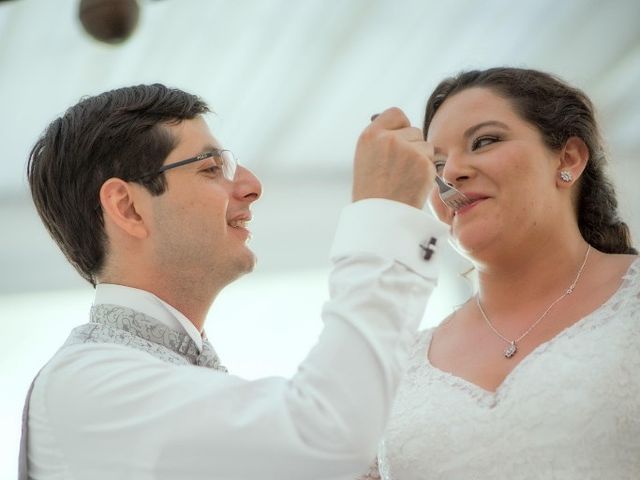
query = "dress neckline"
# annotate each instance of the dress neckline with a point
(491, 398)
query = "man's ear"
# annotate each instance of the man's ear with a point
(121, 202)
(573, 161)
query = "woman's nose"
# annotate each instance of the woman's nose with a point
(456, 169)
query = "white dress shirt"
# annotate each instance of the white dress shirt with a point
(106, 411)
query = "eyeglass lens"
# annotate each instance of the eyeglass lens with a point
(229, 164)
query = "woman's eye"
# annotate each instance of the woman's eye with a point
(483, 142)
(439, 162)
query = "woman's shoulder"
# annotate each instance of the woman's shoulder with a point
(633, 262)
(630, 267)
(626, 297)
(617, 268)
(424, 337)
(435, 329)
(421, 342)
(631, 278)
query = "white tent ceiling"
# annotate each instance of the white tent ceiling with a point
(292, 83)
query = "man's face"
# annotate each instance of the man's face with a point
(199, 223)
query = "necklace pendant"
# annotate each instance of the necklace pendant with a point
(511, 350)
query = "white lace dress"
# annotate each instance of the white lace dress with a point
(569, 410)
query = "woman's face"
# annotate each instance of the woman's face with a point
(486, 150)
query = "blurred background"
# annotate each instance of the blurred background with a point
(292, 83)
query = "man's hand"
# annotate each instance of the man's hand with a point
(393, 161)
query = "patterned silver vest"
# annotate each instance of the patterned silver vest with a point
(123, 326)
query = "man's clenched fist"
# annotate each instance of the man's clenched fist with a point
(393, 161)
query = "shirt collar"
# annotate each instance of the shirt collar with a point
(149, 304)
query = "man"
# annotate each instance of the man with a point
(153, 211)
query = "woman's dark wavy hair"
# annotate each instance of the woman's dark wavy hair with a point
(120, 133)
(559, 112)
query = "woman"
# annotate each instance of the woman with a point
(538, 374)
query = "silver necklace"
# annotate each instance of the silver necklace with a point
(512, 347)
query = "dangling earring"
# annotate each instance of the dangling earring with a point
(566, 176)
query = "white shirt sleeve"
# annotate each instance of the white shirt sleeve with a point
(105, 411)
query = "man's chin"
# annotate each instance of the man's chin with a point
(248, 263)
(251, 266)
(243, 262)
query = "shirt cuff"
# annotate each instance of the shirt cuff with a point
(390, 229)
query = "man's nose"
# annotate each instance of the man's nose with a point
(246, 185)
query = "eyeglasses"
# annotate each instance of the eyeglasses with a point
(225, 159)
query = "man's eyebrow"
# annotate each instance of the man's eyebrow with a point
(490, 123)
(209, 148)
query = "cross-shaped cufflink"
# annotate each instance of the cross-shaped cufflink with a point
(428, 248)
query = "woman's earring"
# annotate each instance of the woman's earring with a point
(566, 176)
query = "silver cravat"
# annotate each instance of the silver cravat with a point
(116, 324)
(124, 326)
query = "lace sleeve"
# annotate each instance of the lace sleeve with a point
(373, 473)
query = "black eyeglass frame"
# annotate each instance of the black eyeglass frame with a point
(228, 171)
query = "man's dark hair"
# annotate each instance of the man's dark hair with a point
(559, 112)
(120, 133)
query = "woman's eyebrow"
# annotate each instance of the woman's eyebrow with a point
(490, 123)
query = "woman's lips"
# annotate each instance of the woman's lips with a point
(475, 200)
